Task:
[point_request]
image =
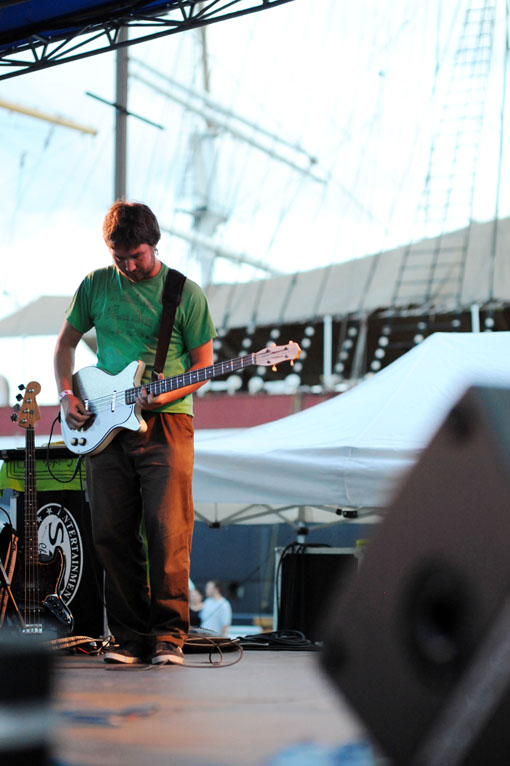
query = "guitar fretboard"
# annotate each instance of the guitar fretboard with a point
(32, 600)
(31, 536)
(158, 387)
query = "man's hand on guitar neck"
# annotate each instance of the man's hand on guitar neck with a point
(74, 411)
(148, 401)
(200, 357)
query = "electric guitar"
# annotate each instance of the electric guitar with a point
(111, 399)
(36, 586)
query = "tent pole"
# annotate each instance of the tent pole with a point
(302, 530)
(475, 318)
(359, 354)
(328, 351)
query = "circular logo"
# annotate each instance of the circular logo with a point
(58, 529)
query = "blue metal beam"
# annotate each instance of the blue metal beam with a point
(34, 35)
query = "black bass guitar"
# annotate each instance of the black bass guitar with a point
(37, 579)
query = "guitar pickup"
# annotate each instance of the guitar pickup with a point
(114, 400)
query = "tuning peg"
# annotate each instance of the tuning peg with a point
(14, 417)
(273, 368)
(21, 386)
(17, 407)
(292, 362)
(19, 397)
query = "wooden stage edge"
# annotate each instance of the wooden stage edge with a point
(243, 714)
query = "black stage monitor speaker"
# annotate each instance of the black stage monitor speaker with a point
(418, 640)
(26, 732)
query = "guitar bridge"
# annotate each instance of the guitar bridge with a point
(33, 628)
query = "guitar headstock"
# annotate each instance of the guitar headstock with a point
(28, 413)
(273, 354)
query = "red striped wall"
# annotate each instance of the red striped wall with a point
(216, 411)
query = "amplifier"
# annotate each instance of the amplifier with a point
(306, 575)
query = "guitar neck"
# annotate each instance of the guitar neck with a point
(165, 385)
(31, 530)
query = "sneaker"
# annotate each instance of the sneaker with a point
(128, 653)
(166, 653)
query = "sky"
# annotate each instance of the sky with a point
(360, 87)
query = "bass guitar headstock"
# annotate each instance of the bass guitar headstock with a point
(273, 354)
(27, 413)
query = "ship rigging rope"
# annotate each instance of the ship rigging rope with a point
(495, 226)
(69, 186)
(402, 184)
(24, 185)
(167, 115)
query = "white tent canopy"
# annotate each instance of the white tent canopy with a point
(351, 451)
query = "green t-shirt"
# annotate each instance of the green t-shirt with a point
(127, 316)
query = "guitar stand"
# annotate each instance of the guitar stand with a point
(5, 586)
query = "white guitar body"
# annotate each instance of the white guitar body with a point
(92, 384)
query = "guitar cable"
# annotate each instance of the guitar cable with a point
(196, 641)
(212, 644)
(48, 448)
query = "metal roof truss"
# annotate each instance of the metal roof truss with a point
(38, 43)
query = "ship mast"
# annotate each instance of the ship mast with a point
(206, 213)
(121, 115)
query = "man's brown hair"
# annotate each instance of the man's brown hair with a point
(130, 224)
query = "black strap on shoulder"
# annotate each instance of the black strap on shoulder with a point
(170, 298)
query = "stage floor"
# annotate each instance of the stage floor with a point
(235, 714)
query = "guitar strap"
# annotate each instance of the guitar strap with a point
(170, 298)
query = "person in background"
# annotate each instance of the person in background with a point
(196, 602)
(216, 614)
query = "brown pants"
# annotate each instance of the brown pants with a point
(145, 476)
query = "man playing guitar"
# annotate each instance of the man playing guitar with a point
(140, 474)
